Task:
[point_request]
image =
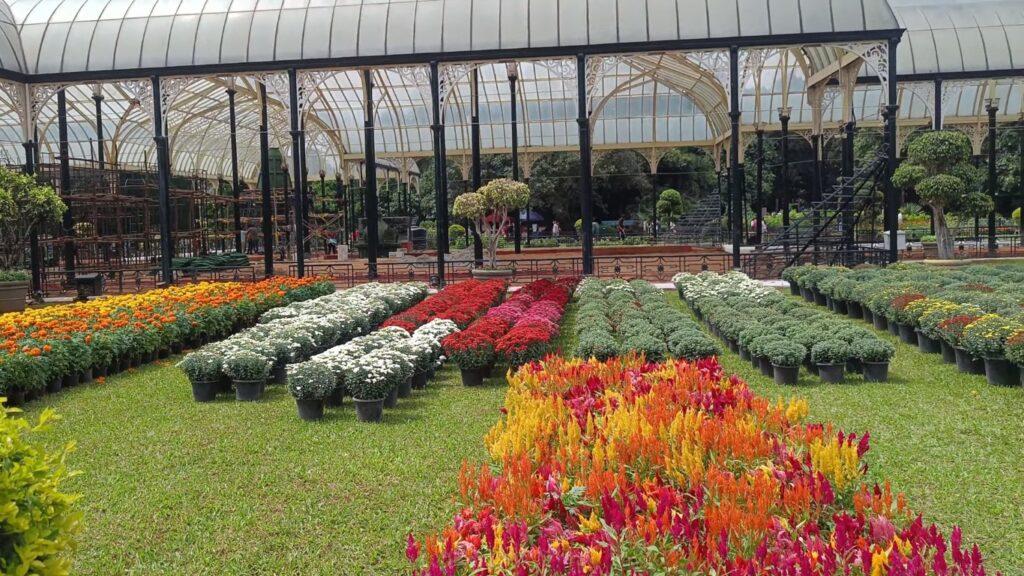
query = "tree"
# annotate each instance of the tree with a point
(621, 182)
(555, 185)
(489, 208)
(938, 169)
(25, 207)
(670, 205)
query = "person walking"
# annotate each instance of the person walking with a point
(556, 230)
(620, 228)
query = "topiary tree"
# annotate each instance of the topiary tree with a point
(670, 205)
(25, 207)
(938, 169)
(489, 208)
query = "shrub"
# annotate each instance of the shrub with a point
(201, 366)
(597, 344)
(13, 276)
(830, 352)
(310, 381)
(987, 336)
(39, 522)
(872, 350)
(1015, 348)
(785, 353)
(695, 346)
(470, 350)
(246, 366)
(759, 345)
(652, 348)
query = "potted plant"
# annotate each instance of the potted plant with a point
(786, 357)
(489, 209)
(370, 383)
(759, 351)
(830, 357)
(952, 330)
(203, 370)
(472, 352)
(1015, 352)
(694, 346)
(25, 208)
(986, 338)
(310, 383)
(248, 372)
(874, 356)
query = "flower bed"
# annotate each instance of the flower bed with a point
(461, 303)
(294, 333)
(44, 346)
(624, 467)
(616, 317)
(774, 331)
(518, 331)
(973, 311)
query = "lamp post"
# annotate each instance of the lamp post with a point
(992, 106)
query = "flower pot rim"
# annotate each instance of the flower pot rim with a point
(774, 365)
(233, 381)
(820, 364)
(868, 362)
(360, 400)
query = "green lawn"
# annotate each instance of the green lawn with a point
(951, 442)
(174, 487)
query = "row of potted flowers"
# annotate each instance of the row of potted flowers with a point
(627, 467)
(46, 349)
(246, 360)
(461, 303)
(617, 317)
(376, 370)
(972, 316)
(518, 331)
(778, 335)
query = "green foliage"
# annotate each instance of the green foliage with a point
(246, 366)
(940, 150)
(201, 366)
(986, 337)
(38, 522)
(976, 204)
(13, 276)
(670, 205)
(872, 350)
(311, 381)
(25, 206)
(785, 353)
(456, 231)
(907, 176)
(830, 352)
(941, 191)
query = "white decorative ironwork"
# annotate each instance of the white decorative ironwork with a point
(277, 86)
(39, 95)
(597, 68)
(876, 56)
(451, 75)
(716, 62)
(308, 82)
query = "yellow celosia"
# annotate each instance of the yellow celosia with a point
(837, 461)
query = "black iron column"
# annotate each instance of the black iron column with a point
(296, 133)
(513, 85)
(849, 159)
(759, 221)
(1020, 173)
(68, 222)
(163, 184)
(816, 192)
(892, 109)
(654, 207)
(937, 118)
(477, 180)
(306, 191)
(443, 218)
(100, 152)
(370, 152)
(992, 107)
(289, 228)
(267, 207)
(783, 182)
(734, 159)
(35, 263)
(341, 208)
(236, 191)
(586, 182)
(437, 128)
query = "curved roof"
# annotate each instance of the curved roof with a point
(75, 36)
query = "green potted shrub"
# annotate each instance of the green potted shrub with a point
(786, 357)
(830, 356)
(986, 338)
(20, 375)
(25, 208)
(203, 370)
(759, 352)
(248, 372)
(694, 346)
(874, 356)
(311, 383)
(489, 209)
(370, 383)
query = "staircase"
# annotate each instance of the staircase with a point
(702, 224)
(828, 226)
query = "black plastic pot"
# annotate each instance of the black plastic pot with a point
(786, 374)
(734, 347)
(830, 304)
(405, 388)
(765, 365)
(1001, 372)
(832, 373)
(472, 377)
(869, 316)
(744, 353)
(431, 373)
(54, 386)
(820, 299)
(794, 289)
(876, 371)
(840, 307)
(807, 294)
(70, 380)
(854, 310)
(163, 353)
(336, 398)
(879, 321)
(948, 352)
(310, 410)
(205, 391)
(967, 363)
(248, 390)
(15, 396)
(854, 366)
(85, 376)
(369, 410)
(894, 328)
(907, 334)
(391, 400)
(279, 373)
(177, 347)
(419, 381)
(928, 345)
(755, 362)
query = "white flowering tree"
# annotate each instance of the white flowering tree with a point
(489, 208)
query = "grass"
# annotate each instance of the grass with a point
(951, 442)
(174, 487)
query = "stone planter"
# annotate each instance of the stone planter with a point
(13, 296)
(492, 274)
